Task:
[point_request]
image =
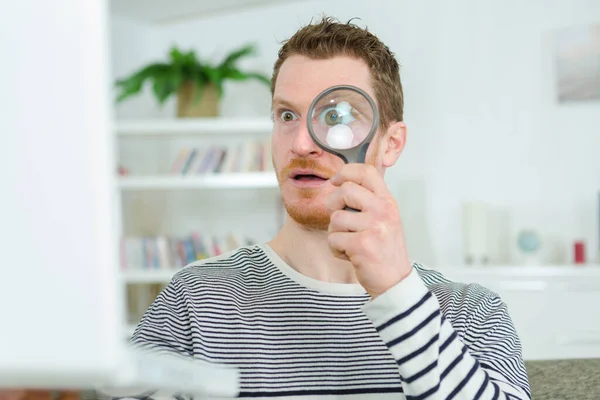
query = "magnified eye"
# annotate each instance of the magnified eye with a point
(288, 116)
(340, 114)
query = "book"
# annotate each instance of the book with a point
(174, 252)
(242, 157)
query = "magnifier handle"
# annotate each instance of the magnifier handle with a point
(351, 209)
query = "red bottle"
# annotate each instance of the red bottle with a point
(579, 252)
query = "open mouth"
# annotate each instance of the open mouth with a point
(307, 177)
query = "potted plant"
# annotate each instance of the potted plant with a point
(197, 84)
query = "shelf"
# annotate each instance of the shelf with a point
(518, 271)
(251, 180)
(195, 126)
(147, 275)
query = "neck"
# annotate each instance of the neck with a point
(308, 252)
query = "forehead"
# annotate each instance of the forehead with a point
(301, 79)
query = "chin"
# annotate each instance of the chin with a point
(307, 211)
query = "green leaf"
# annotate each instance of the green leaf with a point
(234, 73)
(163, 85)
(214, 75)
(236, 55)
(129, 87)
(133, 84)
(176, 56)
(160, 89)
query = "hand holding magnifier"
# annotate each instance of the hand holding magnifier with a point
(342, 121)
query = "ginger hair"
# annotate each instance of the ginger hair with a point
(330, 38)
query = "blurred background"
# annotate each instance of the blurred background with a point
(502, 107)
(499, 183)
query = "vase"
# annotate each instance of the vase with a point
(188, 107)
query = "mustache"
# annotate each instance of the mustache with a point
(305, 163)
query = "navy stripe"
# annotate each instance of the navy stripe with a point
(405, 313)
(463, 382)
(454, 363)
(426, 394)
(419, 350)
(483, 386)
(421, 373)
(447, 341)
(496, 391)
(416, 329)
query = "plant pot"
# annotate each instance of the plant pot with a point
(207, 106)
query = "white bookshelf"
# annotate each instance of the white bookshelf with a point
(194, 126)
(138, 275)
(171, 134)
(524, 271)
(528, 278)
(251, 180)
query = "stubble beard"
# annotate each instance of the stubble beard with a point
(302, 210)
(308, 216)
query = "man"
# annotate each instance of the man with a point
(332, 307)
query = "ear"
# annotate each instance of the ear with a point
(392, 143)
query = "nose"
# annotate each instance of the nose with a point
(303, 145)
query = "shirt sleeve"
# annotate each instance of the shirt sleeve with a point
(163, 329)
(482, 360)
(165, 326)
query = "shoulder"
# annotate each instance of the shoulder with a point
(236, 258)
(463, 304)
(218, 279)
(240, 262)
(446, 289)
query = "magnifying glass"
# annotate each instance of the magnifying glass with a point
(342, 120)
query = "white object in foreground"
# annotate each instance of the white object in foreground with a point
(143, 372)
(62, 303)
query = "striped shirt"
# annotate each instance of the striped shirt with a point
(294, 337)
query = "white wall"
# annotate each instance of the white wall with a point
(59, 268)
(133, 45)
(480, 106)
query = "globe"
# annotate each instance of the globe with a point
(528, 241)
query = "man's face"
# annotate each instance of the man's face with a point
(303, 169)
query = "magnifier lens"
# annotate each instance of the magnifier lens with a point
(342, 119)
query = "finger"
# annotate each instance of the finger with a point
(352, 195)
(363, 175)
(340, 255)
(351, 246)
(349, 221)
(338, 243)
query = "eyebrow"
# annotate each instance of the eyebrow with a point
(282, 102)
